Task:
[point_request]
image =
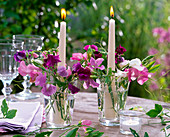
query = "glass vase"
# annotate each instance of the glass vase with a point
(35, 43)
(59, 109)
(111, 102)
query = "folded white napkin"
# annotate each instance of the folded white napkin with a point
(28, 114)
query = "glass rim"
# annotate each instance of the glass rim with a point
(28, 37)
(10, 41)
(131, 113)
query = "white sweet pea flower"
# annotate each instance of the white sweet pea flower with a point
(121, 74)
(136, 63)
(38, 61)
(124, 63)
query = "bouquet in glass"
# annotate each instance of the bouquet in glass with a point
(112, 85)
(59, 83)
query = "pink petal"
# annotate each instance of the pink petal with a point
(99, 61)
(35, 55)
(69, 72)
(93, 83)
(77, 56)
(86, 84)
(102, 67)
(92, 61)
(85, 55)
(142, 79)
(87, 123)
(22, 69)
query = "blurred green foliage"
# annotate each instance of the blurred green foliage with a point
(87, 22)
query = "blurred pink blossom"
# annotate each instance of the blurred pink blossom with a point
(153, 86)
(152, 51)
(87, 123)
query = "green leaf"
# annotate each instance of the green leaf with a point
(89, 130)
(158, 107)
(27, 31)
(168, 127)
(154, 68)
(155, 112)
(44, 134)
(135, 134)
(110, 71)
(19, 136)
(152, 113)
(11, 14)
(150, 65)
(72, 133)
(4, 108)
(147, 59)
(11, 114)
(146, 134)
(97, 134)
(88, 3)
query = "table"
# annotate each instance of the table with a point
(86, 108)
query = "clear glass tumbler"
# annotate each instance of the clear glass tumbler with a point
(8, 66)
(35, 43)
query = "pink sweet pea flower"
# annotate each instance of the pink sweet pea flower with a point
(62, 71)
(141, 76)
(77, 56)
(69, 72)
(90, 82)
(87, 123)
(48, 89)
(24, 70)
(85, 55)
(40, 80)
(35, 55)
(44, 54)
(91, 46)
(94, 64)
(33, 75)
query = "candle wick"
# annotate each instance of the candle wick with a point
(112, 17)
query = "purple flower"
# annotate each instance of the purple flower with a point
(91, 46)
(97, 55)
(20, 55)
(76, 67)
(94, 64)
(90, 82)
(62, 71)
(118, 58)
(51, 60)
(73, 89)
(120, 49)
(40, 80)
(48, 89)
(83, 73)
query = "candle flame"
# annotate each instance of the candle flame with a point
(111, 12)
(63, 14)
